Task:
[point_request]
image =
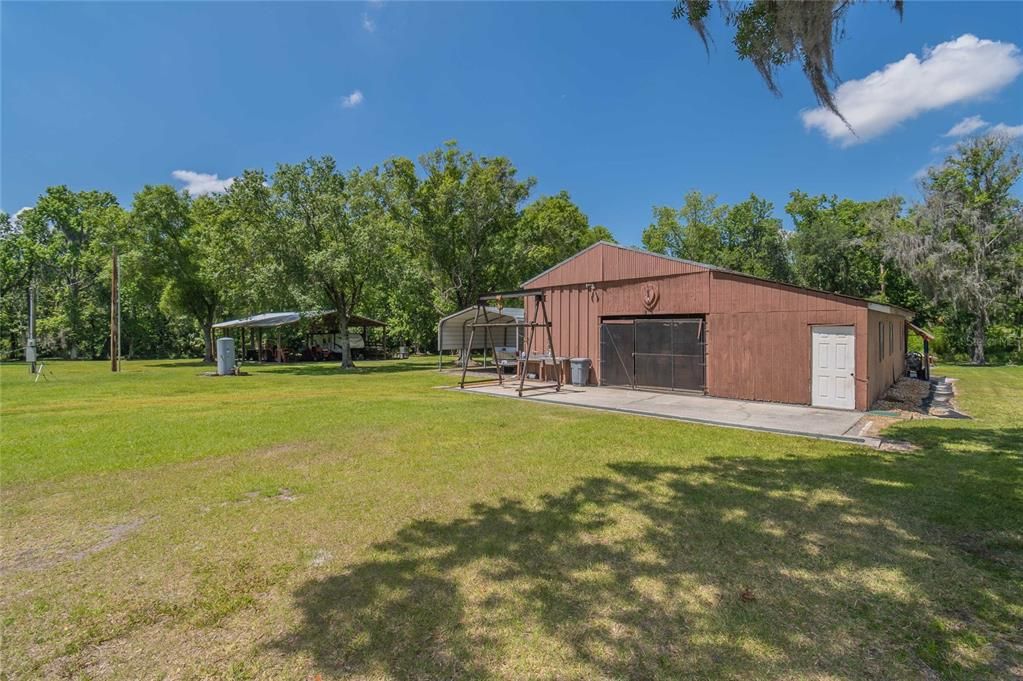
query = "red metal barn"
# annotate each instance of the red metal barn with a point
(652, 321)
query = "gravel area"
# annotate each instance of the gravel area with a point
(906, 396)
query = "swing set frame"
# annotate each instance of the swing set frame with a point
(524, 356)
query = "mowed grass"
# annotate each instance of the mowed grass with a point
(305, 522)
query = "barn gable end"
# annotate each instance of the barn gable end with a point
(606, 262)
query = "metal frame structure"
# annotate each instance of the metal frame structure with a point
(539, 306)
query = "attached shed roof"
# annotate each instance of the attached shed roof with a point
(920, 332)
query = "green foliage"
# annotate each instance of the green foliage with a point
(64, 244)
(745, 237)
(334, 237)
(549, 230)
(962, 245)
(171, 227)
(753, 242)
(458, 216)
(409, 243)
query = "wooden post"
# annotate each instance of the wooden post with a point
(529, 345)
(550, 341)
(114, 313)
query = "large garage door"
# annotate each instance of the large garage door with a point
(653, 353)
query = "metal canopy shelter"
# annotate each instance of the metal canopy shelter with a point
(271, 320)
(482, 320)
(454, 330)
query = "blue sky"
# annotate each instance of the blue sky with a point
(615, 103)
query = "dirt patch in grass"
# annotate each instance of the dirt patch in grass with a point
(43, 557)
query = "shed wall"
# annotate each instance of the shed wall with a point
(886, 360)
(759, 338)
(758, 333)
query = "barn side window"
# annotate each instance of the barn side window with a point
(880, 341)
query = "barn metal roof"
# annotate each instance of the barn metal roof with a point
(631, 268)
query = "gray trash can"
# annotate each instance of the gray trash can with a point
(225, 356)
(580, 370)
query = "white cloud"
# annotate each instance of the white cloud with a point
(353, 100)
(367, 23)
(199, 184)
(921, 174)
(954, 71)
(1007, 130)
(966, 126)
(16, 216)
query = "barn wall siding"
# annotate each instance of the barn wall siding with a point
(604, 262)
(884, 368)
(759, 333)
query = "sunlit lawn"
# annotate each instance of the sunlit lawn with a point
(303, 521)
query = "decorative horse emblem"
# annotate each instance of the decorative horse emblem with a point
(650, 295)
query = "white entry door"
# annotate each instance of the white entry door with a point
(834, 367)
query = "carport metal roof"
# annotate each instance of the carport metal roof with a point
(268, 320)
(454, 330)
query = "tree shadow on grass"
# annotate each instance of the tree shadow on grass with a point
(732, 568)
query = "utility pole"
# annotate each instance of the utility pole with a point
(30, 346)
(118, 312)
(115, 313)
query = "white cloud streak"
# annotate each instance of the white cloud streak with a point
(368, 24)
(966, 126)
(955, 71)
(353, 100)
(200, 184)
(1007, 130)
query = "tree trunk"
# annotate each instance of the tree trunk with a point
(207, 339)
(979, 338)
(74, 320)
(346, 345)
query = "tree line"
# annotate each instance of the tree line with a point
(400, 241)
(955, 257)
(408, 242)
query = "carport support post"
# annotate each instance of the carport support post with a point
(489, 339)
(472, 334)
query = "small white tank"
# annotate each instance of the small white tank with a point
(225, 356)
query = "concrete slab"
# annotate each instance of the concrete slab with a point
(788, 419)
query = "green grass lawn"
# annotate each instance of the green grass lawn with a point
(303, 522)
